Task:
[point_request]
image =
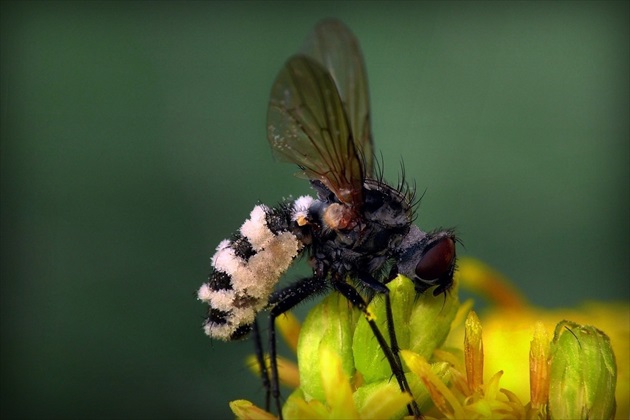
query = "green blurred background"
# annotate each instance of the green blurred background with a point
(133, 141)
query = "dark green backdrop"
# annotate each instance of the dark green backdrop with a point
(133, 141)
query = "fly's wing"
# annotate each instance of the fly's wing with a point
(333, 46)
(307, 125)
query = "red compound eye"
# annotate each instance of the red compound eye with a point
(437, 260)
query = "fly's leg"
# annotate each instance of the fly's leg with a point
(260, 358)
(391, 352)
(281, 302)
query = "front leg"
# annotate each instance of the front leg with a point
(391, 353)
(281, 302)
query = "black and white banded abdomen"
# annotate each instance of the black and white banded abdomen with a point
(247, 267)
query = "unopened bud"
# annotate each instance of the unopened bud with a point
(330, 324)
(583, 373)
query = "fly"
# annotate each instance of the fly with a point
(357, 232)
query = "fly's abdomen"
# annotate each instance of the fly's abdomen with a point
(246, 268)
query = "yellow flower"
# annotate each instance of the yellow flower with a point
(468, 397)
(342, 370)
(503, 364)
(340, 399)
(510, 323)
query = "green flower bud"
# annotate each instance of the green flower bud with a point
(422, 324)
(329, 324)
(583, 373)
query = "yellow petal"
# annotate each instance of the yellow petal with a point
(384, 401)
(246, 410)
(336, 386)
(491, 389)
(289, 328)
(440, 394)
(287, 370)
(296, 407)
(482, 279)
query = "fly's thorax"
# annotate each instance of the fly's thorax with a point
(386, 218)
(346, 239)
(387, 205)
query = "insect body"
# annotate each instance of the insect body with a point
(246, 269)
(357, 232)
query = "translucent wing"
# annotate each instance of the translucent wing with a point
(307, 125)
(333, 46)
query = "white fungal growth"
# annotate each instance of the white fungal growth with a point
(225, 260)
(264, 269)
(222, 300)
(255, 228)
(204, 293)
(300, 208)
(251, 280)
(220, 331)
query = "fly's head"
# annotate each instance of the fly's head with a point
(428, 259)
